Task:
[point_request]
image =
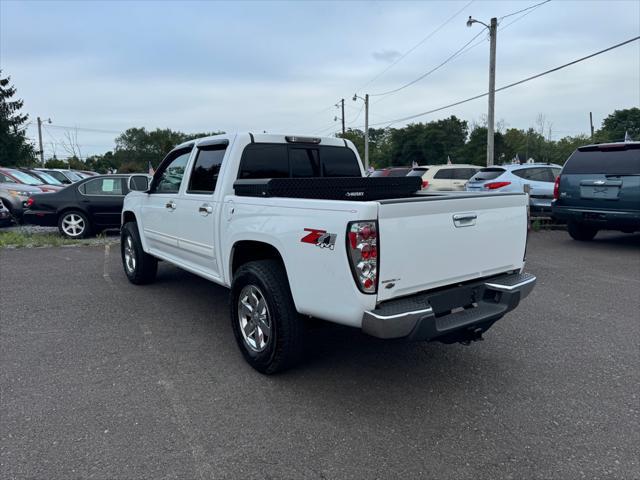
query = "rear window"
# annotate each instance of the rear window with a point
(263, 160)
(487, 174)
(378, 173)
(607, 162)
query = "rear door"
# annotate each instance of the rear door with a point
(602, 177)
(195, 218)
(102, 198)
(430, 242)
(443, 180)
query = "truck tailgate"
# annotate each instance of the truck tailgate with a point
(440, 240)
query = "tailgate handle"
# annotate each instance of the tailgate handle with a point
(464, 219)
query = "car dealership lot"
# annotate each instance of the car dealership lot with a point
(103, 379)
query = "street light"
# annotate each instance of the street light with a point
(366, 127)
(493, 30)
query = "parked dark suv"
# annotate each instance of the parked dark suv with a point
(599, 189)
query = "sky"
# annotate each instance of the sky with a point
(103, 67)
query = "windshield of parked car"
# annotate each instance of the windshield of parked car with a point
(59, 176)
(487, 174)
(607, 162)
(398, 172)
(417, 172)
(26, 178)
(72, 176)
(49, 178)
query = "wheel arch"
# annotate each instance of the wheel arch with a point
(244, 251)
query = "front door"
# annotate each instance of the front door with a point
(161, 204)
(198, 211)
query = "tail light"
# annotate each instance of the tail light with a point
(362, 248)
(556, 188)
(29, 202)
(425, 183)
(496, 185)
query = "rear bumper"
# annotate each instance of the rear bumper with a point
(42, 218)
(604, 219)
(454, 314)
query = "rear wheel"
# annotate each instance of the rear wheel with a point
(74, 224)
(581, 232)
(265, 322)
(140, 267)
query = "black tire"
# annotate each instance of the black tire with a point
(144, 267)
(65, 228)
(581, 232)
(284, 346)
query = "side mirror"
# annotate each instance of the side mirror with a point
(139, 183)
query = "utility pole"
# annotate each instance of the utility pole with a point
(591, 122)
(366, 132)
(493, 32)
(342, 104)
(40, 140)
(366, 127)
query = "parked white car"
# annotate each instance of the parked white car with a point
(512, 178)
(444, 178)
(236, 209)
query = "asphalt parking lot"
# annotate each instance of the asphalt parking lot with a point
(102, 379)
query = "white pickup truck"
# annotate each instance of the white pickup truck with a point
(439, 267)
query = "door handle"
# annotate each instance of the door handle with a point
(171, 205)
(464, 219)
(205, 209)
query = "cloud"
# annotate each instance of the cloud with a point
(387, 56)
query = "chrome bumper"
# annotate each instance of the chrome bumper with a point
(452, 314)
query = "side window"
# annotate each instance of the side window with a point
(264, 161)
(304, 162)
(102, 186)
(170, 178)
(204, 175)
(445, 174)
(539, 175)
(5, 179)
(340, 162)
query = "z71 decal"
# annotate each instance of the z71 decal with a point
(319, 238)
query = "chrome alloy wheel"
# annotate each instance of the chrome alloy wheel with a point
(129, 255)
(73, 225)
(254, 318)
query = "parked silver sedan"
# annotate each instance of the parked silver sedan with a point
(512, 178)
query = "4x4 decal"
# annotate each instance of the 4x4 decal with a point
(319, 238)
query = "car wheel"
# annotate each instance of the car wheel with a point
(265, 322)
(74, 224)
(139, 266)
(581, 232)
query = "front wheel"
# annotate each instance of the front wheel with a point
(140, 267)
(581, 232)
(265, 322)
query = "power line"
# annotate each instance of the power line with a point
(519, 82)
(524, 10)
(424, 75)
(457, 53)
(82, 129)
(431, 34)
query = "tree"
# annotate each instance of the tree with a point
(15, 149)
(619, 123)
